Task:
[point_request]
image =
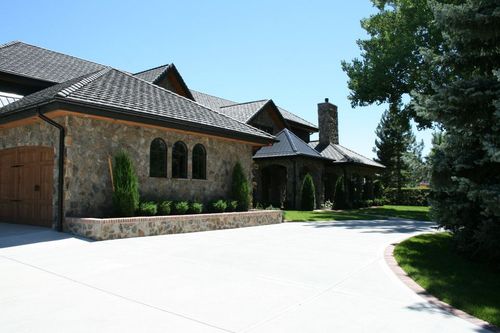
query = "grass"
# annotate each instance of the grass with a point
(433, 263)
(407, 212)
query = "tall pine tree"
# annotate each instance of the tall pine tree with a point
(394, 141)
(465, 101)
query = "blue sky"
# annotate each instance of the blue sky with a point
(289, 51)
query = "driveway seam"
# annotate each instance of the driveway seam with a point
(307, 299)
(415, 287)
(115, 294)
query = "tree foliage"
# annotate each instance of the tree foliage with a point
(465, 101)
(391, 64)
(445, 54)
(394, 142)
(308, 194)
(126, 186)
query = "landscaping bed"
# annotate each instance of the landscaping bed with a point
(113, 228)
(432, 262)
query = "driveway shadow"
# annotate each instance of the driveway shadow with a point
(16, 234)
(438, 309)
(378, 226)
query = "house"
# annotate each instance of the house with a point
(58, 140)
(63, 118)
(279, 169)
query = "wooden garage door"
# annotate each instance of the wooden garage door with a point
(26, 185)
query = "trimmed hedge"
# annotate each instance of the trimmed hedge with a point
(408, 196)
(218, 206)
(147, 208)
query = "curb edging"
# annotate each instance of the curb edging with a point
(415, 287)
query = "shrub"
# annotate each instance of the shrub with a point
(417, 196)
(147, 208)
(308, 198)
(327, 205)
(258, 205)
(126, 186)
(196, 208)
(240, 188)
(232, 205)
(218, 206)
(340, 199)
(164, 208)
(181, 207)
(271, 207)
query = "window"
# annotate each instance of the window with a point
(158, 158)
(179, 160)
(199, 162)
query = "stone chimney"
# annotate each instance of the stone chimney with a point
(328, 123)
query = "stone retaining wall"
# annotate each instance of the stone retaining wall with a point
(113, 228)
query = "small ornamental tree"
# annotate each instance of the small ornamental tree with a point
(308, 199)
(126, 186)
(340, 197)
(240, 188)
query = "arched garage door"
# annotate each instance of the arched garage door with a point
(26, 185)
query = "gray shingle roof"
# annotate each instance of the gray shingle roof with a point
(151, 75)
(130, 95)
(243, 111)
(38, 63)
(214, 102)
(289, 145)
(293, 117)
(341, 154)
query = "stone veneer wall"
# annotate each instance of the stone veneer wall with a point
(38, 133)
(103, 229)
(91, 142)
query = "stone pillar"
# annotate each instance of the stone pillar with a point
(328, 123)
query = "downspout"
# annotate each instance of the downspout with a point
(60, 184)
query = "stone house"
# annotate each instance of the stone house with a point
(57, 142)
(63, 118)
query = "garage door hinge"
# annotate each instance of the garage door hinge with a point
(17, 166)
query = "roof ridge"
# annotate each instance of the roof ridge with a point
(260, 100)
(9, 43)
(191, 101)
(292, 144)
(64, 54)
(83, 82)
(147, 70)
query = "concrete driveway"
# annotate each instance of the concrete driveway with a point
(293, 277)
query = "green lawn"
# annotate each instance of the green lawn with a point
(407, 212)
(431, 261)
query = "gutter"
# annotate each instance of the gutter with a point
(60, 184)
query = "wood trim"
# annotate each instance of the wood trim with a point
(62, 113)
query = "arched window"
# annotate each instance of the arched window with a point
(158, 158)
(199, 162)
(179, 160)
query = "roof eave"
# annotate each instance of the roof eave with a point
(129, 115)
